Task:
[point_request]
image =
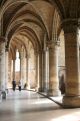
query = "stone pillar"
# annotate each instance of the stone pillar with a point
(24, 69)
(21, 69)
(6, 70)
(72, 83)
(13, 69)
(28, 63)
(10, 71)
(27, 71)
(36, 68)
(40, 88)
(45, 70)
(23, 64)
(37, 72)
(2, 68)
(0, 71)
(53, 70)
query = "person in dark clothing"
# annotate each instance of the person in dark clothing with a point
(14, 85)
(62, 85)
(19, 85)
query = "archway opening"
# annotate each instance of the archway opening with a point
(22, 63)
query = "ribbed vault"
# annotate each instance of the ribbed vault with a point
(29, 19)
(32, 20)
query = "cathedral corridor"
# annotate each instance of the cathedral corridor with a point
(31, 106)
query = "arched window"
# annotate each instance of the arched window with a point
(17, 64)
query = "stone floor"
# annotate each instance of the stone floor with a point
(31, 106)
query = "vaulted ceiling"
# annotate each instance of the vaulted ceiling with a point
(68, 8)
(33, 19)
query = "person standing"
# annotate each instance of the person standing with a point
(14, 84)
(19, 86)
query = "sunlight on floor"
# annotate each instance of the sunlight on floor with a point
(59, 99)
(70, 117)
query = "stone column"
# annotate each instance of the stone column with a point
(24, 69)
(27, 71)
(2, 68)
(53, 70)
(0, 65)
(23, 64)
(41, 71)
(36, 68)
(6, 70)
(72, 83)
(10, 70)
(13, 69)
(40, 88)
(45, 70)
(28, 63)
(21, 69)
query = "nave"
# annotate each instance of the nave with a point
(31, 106)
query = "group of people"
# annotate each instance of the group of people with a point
(19, 85)
(14, 85)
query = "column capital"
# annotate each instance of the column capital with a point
(70, 25)
(51, 44)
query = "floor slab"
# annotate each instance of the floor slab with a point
(31, 106)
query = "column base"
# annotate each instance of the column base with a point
(36, 89)
(52, 92)
(45, 90)
(40, 90)
(71, 101)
